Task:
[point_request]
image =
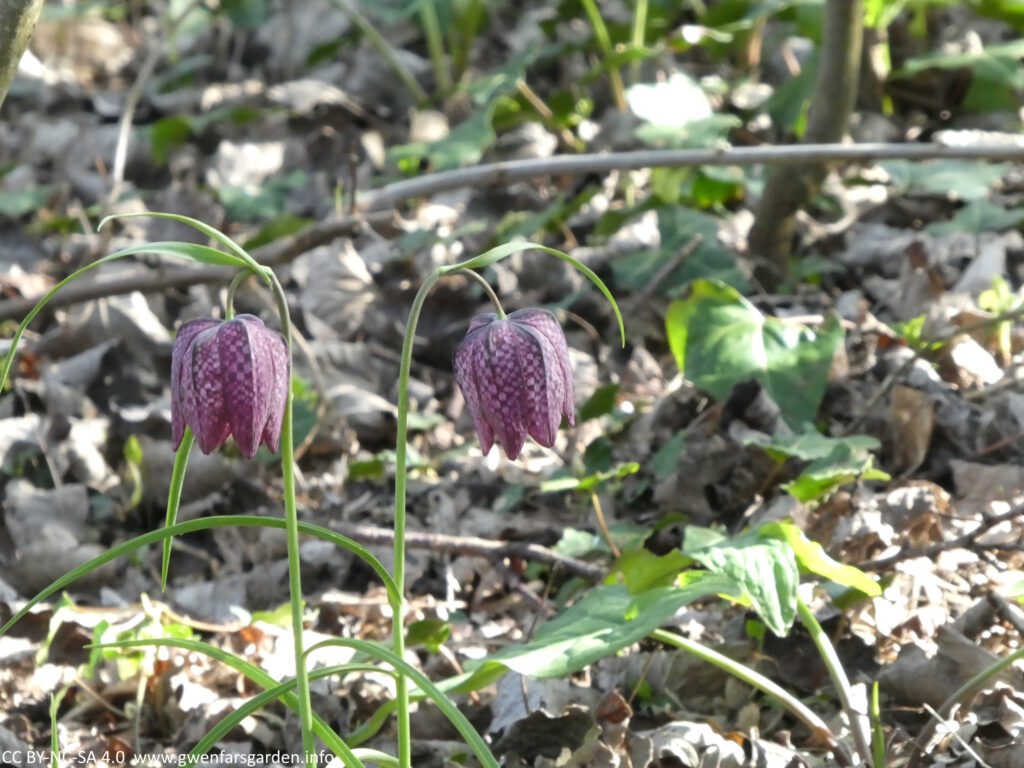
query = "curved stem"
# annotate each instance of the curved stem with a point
(292, 529)
(398, 623)
(487, 288)
(229, 302)
(858, 722)
(761, 683)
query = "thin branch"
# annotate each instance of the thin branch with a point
(491, 174)
(965, 541)
(473, 546)
(501, 173)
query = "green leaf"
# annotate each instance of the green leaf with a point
(997, 81)
(167, 134)
(500, 252)
(812, 557)
(430, 633)
(283, 226)
(253, 673)
(719, 340)
(962, 179)
(15, 203)
(174, 499)
(642, 570)
(468, 733)
(977, 216)
(223, 521)
(201, 253)
(259, 701)
(211, 232)
(810, 445)
(268, 202)
(601, 403)
(666, 459)
(677, 225)
(844, 464)
(606, 620)
(766, 569)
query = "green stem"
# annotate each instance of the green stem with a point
(604, 40)
(435, 44)
(292, 529)
(377, 41)
(229, 303)
(761, 683)
(490, 291)
(961, 694)
(858, 722)
(639, 27)
(398, 623)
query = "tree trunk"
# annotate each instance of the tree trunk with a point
(835, 90)
(17, 22)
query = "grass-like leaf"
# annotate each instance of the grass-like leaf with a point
(224, 521)
(201, 253)
(174, 499)
(252, 672)
(500, 252)
(206, 229)
(256, 703)
(429, 689)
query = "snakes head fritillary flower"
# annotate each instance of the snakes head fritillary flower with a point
(229, 378)
(516, 378)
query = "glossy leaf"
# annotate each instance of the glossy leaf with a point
(719, 340)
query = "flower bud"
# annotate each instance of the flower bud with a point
(229, 378)
(516, 378)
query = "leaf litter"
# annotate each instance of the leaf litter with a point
(909, 469)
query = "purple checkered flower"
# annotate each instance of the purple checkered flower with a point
(516, 378)
(229, 378)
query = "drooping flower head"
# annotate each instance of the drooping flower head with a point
(516, 378)
(229, 378)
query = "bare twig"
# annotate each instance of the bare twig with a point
(489, 174)
(517, 170)
(961, 542)
(472, 545)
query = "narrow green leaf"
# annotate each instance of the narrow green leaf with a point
(252, 672)
(430, 690)
(500, 252)
(206, 229)
(174, 499)
(186, 250)
(256, 703)
(224, 521)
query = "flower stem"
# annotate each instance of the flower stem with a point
(490, 291)
(761, 683)
(292, 528)
(398, 622)
(229, 303)
(858, 721)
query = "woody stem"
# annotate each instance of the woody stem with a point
(292, 528)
